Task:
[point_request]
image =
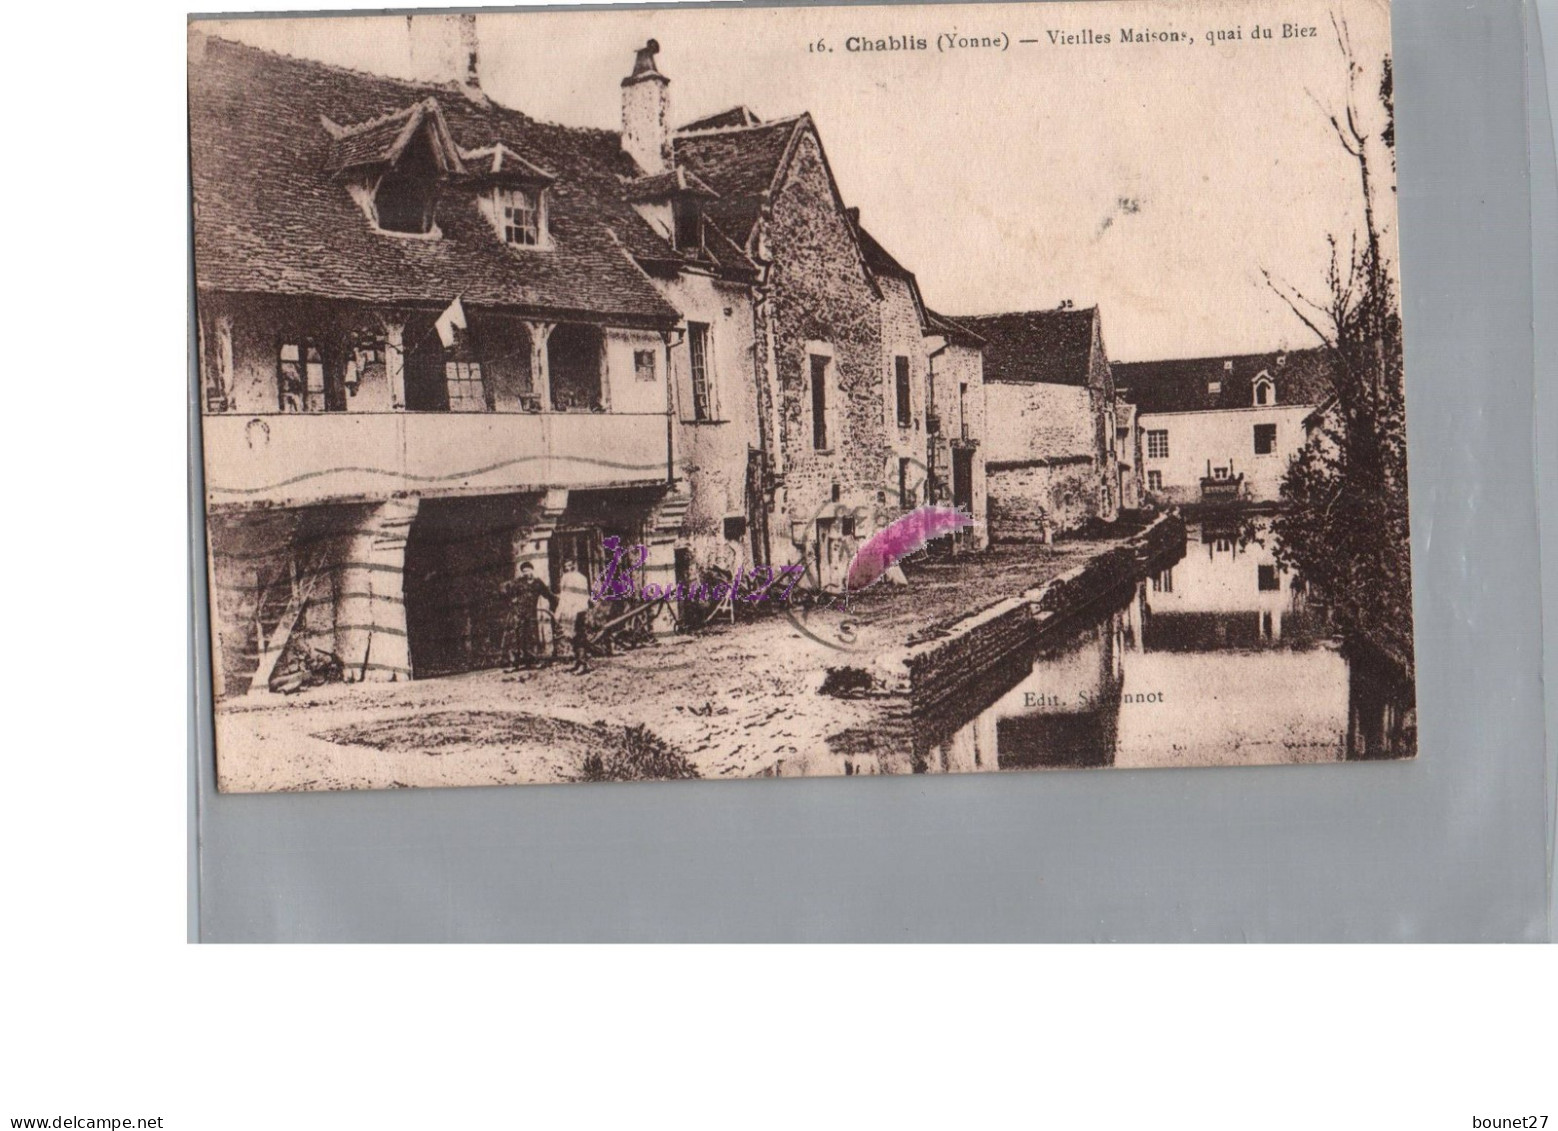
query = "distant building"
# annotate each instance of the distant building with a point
(1223, 429)
(957, 423)
(1127, 447)
(1050, 404)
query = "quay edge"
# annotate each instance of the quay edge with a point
(928, 672)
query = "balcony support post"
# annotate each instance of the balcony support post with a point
(540, 369)
(371, 606)
(223, 377)
(395, 363)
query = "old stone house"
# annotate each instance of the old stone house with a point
(1223, 430)
(439, 339)
(834, 461)
(934, 465)
(1051, 449)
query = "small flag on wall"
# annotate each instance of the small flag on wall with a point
(452, 317)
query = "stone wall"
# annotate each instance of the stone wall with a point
(903, 336)
(930, 671)
(820, 292)
(1037, 421)
(1031, 502)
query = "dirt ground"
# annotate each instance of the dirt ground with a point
(733, 700)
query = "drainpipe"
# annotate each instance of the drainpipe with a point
(680, 335)
(765, 440)
(930, 407)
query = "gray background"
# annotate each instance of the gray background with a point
(1453, 846)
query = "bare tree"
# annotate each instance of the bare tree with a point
(1344, 525)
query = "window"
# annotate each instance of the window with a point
(364, 363)
(698, 359)
(1154, 481)
(1266, 579)
(1221, 472)
(847, 526)
(644, 365)
(1214, 387)
(819, 402)
(1265, 439)
(467, 393)
(905, 491)
(688, 218)
(1163, 581)
(301, 378)
(404, 202)
(1262, 393)
(734, 528)
(901, 383)
(520, 209)
(1157, 444)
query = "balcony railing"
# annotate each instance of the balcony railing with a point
(299, 458)
(1222, 488)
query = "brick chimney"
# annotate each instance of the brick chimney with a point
(646, 105)
(443, 50)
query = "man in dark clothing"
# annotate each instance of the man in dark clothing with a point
(523, 635)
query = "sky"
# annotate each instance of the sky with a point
(1155, 180)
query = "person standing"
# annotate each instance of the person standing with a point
(572, 604)
(526, 592)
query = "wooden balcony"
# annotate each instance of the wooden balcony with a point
(295, 459)
(1222, 489)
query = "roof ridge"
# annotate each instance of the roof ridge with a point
(380, 76)
(1029, 313)
(791, 120)
(1226, 356)
(382, 120)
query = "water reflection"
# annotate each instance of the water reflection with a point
(1216, 659)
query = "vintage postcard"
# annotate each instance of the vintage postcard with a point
(644, 394)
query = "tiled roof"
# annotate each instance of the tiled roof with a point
(735, 116)
(271, 215)
(1300, 377)
(740, 164)
(499, 162)
(951, 329)
(877, 257)
(1052, 347)
(660, 186)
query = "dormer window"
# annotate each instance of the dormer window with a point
(404, 202)
(511, 193)
(394, 166)
(672, 203)
(1213, 388)
(687, 213)
(1265, 390)
(520, 211)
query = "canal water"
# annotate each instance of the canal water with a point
(1220, 658)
